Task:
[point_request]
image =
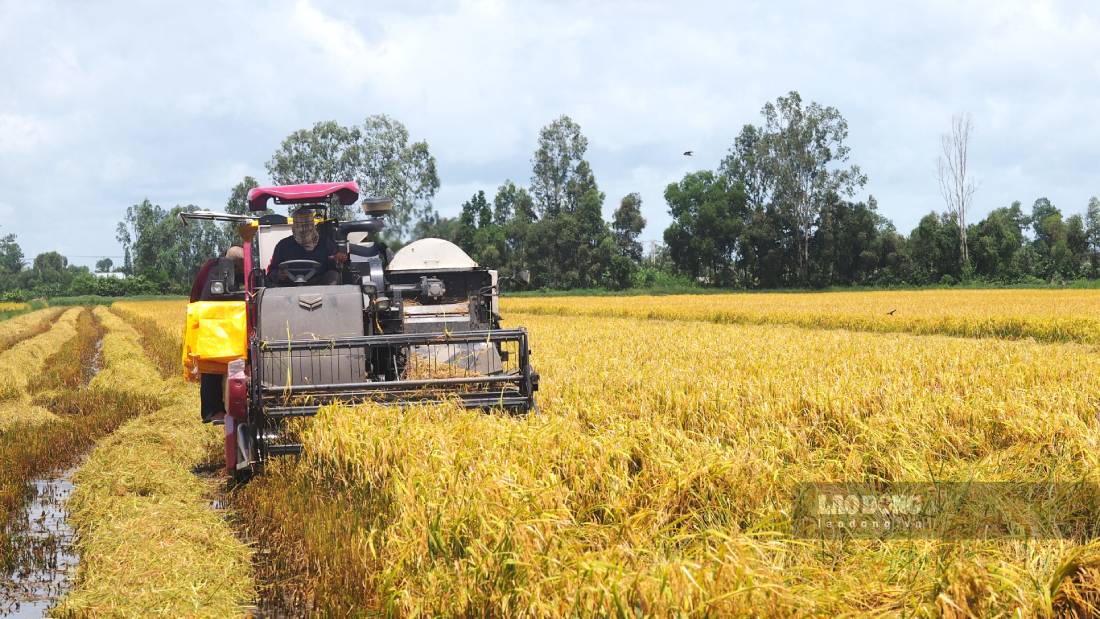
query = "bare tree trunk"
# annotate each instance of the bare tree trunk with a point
(956, 185)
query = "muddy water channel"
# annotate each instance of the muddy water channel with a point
(45, 557)
(42, 556)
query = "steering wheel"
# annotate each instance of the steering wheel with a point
(300, 271)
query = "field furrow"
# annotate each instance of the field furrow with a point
(1043, 315)
(25, 362)
(18, 328)
(150, 542)
(53, 416)
(160, 327)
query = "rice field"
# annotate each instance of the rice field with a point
(657, 478)
(1044, 315)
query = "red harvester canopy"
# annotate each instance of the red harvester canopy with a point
(316, 193)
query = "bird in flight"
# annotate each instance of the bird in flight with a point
(689, 153)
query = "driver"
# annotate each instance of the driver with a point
(306, 243)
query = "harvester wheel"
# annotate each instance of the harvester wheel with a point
(242, 476)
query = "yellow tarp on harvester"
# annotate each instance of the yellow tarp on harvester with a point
(215, 334)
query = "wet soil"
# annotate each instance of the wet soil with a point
(46, 558)
(44, 543)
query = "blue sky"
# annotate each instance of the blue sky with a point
(107, 103)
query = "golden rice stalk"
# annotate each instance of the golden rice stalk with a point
(126, 367)
(23, 326)
(149, 542)
(1045, 315)
(161, 338)
(83, 416)
(23, 362)
(168, 315)
(658, 478)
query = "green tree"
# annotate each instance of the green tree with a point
(707, 222)
(1040, 210)
(50, 274)
(104, 265)
(847, 247)
(766, 251)
(11, 255)
(627, 224)
(323, 153)
(995, 241)
(934, 250)
(572, 247)
(569, 245)
(237, 204)
(386, 164)
(1053, 258)
(49, 263)
(479, 235)
(749, 163)
(896, 261)
(805, 147)
(474, 211)
(1092, 234)
(165, 250)
(437, 227)
(561, 149)
(792, 165)
(514, 211)
(1078, 244)
(377, 155)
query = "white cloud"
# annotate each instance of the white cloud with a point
(23, 133)
(178, 102)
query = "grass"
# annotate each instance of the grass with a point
(149, 541)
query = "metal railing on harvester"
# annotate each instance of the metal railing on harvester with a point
(479, 369)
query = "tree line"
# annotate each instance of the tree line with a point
(554, 228)
(779, 211)
(50, 274)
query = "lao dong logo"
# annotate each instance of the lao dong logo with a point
(835, 509)
(855, 504)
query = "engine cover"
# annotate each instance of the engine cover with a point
(311, 313)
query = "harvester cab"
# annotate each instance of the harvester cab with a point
(421, 325)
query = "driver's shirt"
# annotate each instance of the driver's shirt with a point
(289, 249)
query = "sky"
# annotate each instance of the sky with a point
(107, 103)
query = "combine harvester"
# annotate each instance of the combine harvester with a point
(418, 326)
